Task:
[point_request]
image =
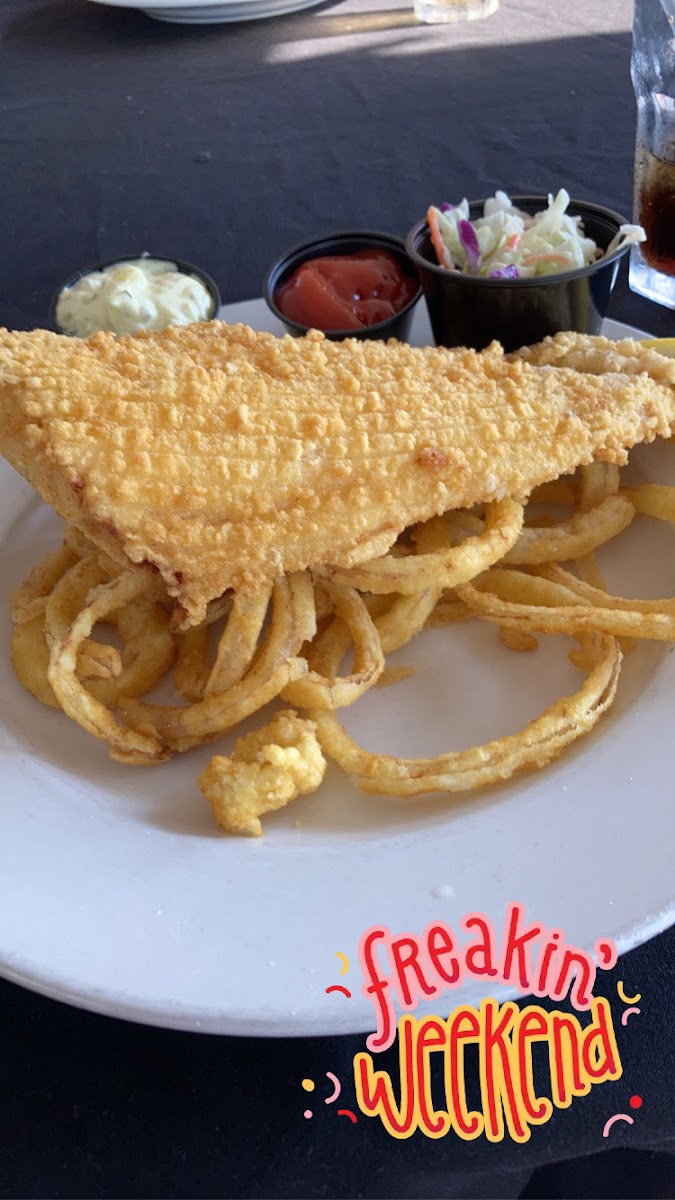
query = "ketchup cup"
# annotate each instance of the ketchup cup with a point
(344, 244)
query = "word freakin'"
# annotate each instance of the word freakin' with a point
(578, 1057)
(422, 968)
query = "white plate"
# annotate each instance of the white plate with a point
(118, 893)
(212, 12)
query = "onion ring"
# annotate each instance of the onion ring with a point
(275, 665)
(29, 600)
(79, 600)
(354, 624)
(415, 572)
(541, 741)
(581, 533)
(542, 602)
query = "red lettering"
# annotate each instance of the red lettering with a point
(602, 1032)
(431, 1034)
(377, 989)
(469, 1124)
(374, 1091)
(404, 952)
(533, 1027)
(479, 957)
(543, 962)
(607, 953)
(584, 978)
(559, 1059)
(514, 945)
(496, 1041)
(440, 944)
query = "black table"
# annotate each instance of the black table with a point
(223, 145)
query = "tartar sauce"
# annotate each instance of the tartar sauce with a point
(144, 293)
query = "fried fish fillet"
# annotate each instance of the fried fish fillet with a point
(223, 457)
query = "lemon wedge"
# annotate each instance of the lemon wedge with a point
(661, 345)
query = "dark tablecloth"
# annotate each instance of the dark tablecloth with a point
(223, 145)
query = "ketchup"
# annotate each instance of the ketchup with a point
(346, 291)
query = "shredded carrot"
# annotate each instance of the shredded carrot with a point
(436, 239)
(531, 259)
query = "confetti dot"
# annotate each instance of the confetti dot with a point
(307, 1113)
(308, 1085)
(635, 1101)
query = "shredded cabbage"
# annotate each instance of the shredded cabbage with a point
(506, 243)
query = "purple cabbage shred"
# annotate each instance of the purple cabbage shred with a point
(467, 236)
(510, 272)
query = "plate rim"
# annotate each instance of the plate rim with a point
(149, 6)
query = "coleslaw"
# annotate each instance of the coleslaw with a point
(506, 243)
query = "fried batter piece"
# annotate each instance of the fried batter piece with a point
(267, 769)
(223, 458)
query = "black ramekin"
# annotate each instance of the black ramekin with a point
(466, 310)
(348, 242)
(185, 267)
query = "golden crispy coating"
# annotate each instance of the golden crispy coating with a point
(267, 769)
(223, 457)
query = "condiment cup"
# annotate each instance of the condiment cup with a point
(466, 310)
(185, 267)
(348, 242)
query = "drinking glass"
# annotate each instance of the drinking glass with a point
(436, 12)
(652, 263)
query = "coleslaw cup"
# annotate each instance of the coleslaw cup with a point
(467, 310)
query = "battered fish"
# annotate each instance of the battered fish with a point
(223, 457)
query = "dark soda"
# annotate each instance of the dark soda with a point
(655, 184)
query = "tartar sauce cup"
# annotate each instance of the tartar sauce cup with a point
(181, 267)
(467, 310)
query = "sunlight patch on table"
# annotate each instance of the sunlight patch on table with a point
(395, 32)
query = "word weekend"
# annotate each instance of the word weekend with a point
(533, 960)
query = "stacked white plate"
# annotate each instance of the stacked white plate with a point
(212, 12)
